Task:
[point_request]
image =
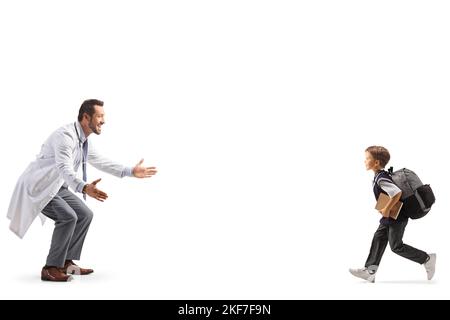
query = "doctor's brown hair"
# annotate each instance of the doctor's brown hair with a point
(88, 107)
(379, 153)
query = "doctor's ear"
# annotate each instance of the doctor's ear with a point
(87, 117)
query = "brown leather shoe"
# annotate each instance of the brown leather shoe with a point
(50, 273)
(71, 268)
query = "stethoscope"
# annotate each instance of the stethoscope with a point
(83, 160)
(78, 135)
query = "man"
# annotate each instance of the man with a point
(43, 188)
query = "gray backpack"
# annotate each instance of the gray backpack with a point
(417, 197)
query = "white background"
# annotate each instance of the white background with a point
(257, 114)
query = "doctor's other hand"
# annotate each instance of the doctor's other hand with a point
(91, 190)
(139, 171)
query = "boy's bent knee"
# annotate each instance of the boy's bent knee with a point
(397, 248)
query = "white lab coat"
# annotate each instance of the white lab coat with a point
(58, 161)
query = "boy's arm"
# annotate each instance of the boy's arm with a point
(391, 203)
(394, 194)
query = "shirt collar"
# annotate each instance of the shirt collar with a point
(81, 135)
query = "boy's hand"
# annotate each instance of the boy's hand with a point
(384, 212)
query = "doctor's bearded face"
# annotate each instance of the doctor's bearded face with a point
(97, 120)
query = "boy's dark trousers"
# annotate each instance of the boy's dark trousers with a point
(393, 233)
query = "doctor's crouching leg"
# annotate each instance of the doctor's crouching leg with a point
(72, 220)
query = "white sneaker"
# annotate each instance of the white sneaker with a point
(430, 265)
(363, 274)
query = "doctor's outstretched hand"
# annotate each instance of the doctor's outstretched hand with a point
(91, 190)
(139, 171)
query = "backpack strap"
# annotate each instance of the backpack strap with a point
(382, 175)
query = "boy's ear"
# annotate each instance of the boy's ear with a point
(377, 163)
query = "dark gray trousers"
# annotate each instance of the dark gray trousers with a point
(72, 219)
(393, 234)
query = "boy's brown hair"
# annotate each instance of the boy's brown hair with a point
(379, 153)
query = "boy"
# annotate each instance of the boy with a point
(390, 230)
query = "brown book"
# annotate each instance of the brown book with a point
(383, 199)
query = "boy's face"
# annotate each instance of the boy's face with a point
(371, 163)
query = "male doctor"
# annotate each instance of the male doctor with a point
(44, 188)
